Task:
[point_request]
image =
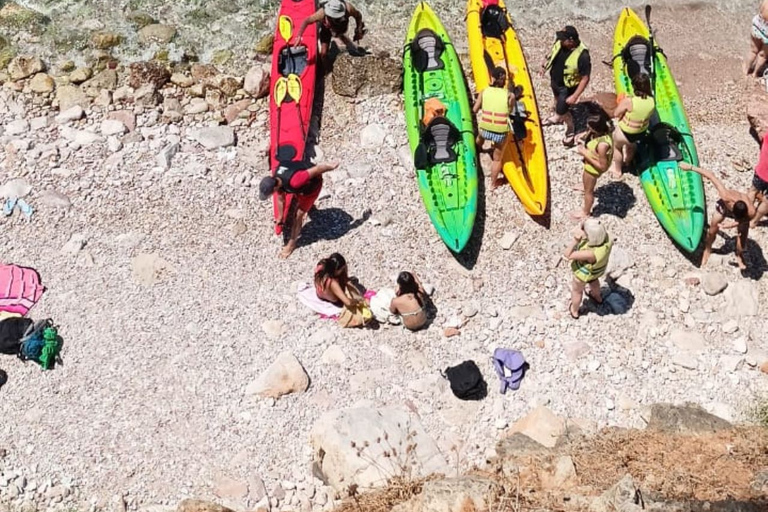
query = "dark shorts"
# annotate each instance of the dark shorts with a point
(634, 138)
(561, 94)
(760, 185)
(326, 34)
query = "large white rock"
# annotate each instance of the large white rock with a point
(368, 447)
(80, 137)
(713, 283)
(17, 127)
(71, 114)
(284, 376)
(541, 425)
(256, 81)
(688, 340)
(214, 137)
(741, 300)
(113, 127)
(372, 136)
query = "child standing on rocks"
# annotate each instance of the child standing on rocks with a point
(589, 253)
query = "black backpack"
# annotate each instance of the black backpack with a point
(466, 381)
(11, 331)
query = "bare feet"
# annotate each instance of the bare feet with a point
(740, 262)
(705, 256)
(287, 250)
(616, 172)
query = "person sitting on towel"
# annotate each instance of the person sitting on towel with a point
(305, 182)
(332, 279)
(494, 103)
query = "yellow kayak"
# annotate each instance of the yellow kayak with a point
(493, 42)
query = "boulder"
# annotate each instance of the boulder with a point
(203, 72)
(42, 83)
(741, 300)
(80, 75)
(233, 111)
(157, 33)
(463, 494)
(370, 75)
(74, 113)
(112, 127)
(372, 136)
(621, 497)
(200, 506)
(144, 73)
(228, 85)
(367, 447)
(686, 419)
(713, 283)
(140, 19)
(24, 66)
(518, 444)
(147, 96)
(284, 376)
(105, 80)
(15, 18)
(256, 82)
(182, 80)
(214, 137)
(70, 96)
(105, 40)
(541, 425)
(126, 117)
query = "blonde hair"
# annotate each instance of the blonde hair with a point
(596, 234)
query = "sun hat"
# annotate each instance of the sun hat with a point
(335, 9)
(595, 232)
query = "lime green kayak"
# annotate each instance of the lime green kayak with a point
(676, 196)
(444, 150)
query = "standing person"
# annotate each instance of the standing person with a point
(569, 66)
(409, 301)
(334, 22)
(634, 114)
(757, 57)
(596, 152)
(759, 189)
(732, 204)
(589, 254)
(302, 181)
(494, 104)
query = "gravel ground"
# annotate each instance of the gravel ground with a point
(149, 405)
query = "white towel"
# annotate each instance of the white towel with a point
(380, 307)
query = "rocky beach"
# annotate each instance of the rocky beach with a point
(190, 370)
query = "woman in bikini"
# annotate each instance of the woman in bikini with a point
(757, 56)
(597, 153)
(409, 302)
(331, 280)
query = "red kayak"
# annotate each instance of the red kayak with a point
(292, 89)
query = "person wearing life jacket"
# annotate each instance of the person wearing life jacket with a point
(569, 66)
(634, 114)
(334, 22)
(304, 181)
(494, 104)
(596, 150)
(589, 254)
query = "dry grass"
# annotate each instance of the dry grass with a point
(399, 490)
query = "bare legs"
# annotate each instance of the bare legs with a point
(623, 152)
(762, 207)
(496, 164)
(714, 227)
(590, 181)
(756, 58)
(295, 231)
(577, 293)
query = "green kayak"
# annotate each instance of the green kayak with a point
(676, 196)
(444, 149)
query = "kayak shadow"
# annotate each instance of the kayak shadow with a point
(468, 257)
(329, 224)
(316, 119)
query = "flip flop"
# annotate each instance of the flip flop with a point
(570, 310)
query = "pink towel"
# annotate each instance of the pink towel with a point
(20, 289)
(308, 296)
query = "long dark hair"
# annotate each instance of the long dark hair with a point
(332, 267)
(407, 284)
(641, 83)
(600, 123)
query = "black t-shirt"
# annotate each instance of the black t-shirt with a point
(558, 66)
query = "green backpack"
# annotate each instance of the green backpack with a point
(41, 344)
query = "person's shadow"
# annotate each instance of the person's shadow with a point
(753, 256)
(329, 224)
(614, 198)
(617, 300)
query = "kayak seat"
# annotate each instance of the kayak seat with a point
(285, 153)
(637, 56)
(292, 61)
(666, 141)
(437, 144)
(493, 22)
(426, 51)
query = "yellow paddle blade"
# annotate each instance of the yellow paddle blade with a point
(294, 87)
(281, 89)
(285, 27)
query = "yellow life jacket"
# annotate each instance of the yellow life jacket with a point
(637, 120)
(592, 146)
(494, 114)
(571, 76)
(587, 272)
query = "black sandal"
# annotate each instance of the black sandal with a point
(570, 310)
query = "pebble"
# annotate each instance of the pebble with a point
(730, 327)
(740, 345)
(71, 114)
(17, 127)
(713, 283)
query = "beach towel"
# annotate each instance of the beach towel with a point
(308, 296)
(20, 289)
(380, 307)
(510, 367)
